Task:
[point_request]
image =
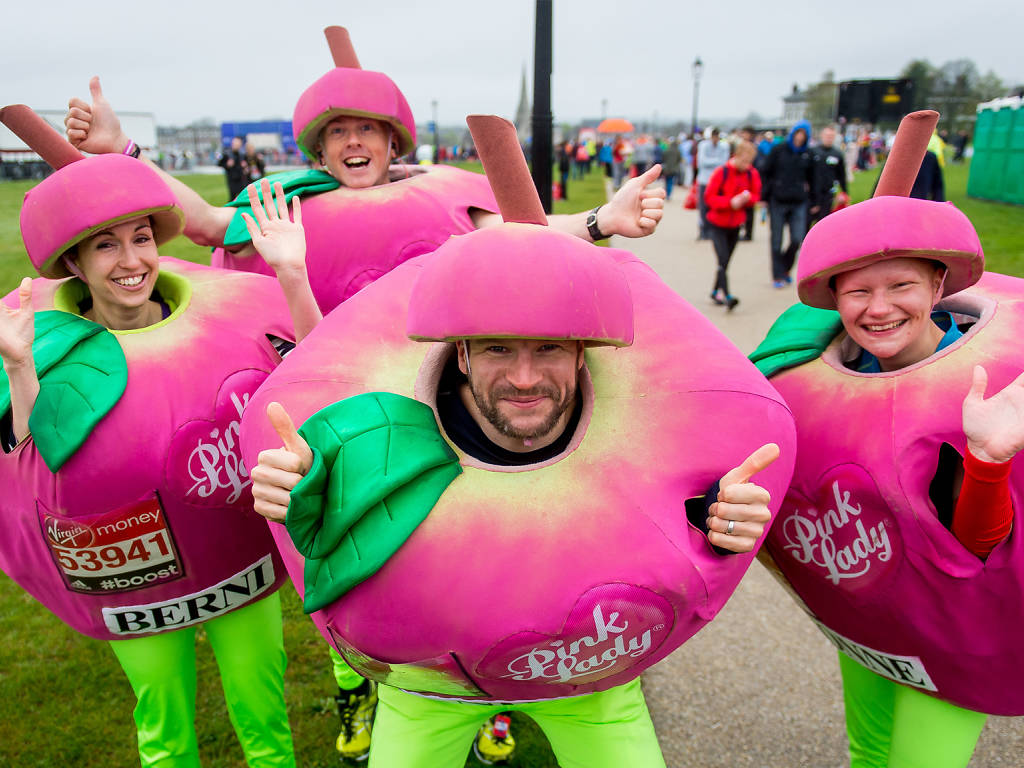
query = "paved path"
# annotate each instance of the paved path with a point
(759, 686)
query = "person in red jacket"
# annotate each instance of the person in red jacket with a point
(731, 190)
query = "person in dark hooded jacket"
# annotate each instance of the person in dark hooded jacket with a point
(788, 181)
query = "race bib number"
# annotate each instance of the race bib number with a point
(908, 670)
(118, 551)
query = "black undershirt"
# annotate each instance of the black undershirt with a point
(468, 436)
(165, 309)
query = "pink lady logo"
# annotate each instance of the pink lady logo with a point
(846, 535)
(611, 628)
(205, 462)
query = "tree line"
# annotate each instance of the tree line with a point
(954, 89)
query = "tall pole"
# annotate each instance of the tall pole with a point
(433, 107)
(540, 149)
(697, 69)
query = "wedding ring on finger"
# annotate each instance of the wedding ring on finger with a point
(729, 528)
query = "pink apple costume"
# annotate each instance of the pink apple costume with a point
(593, 572)
(127, 510)
(858, 537)
(353, 236)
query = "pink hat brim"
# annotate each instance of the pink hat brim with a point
(521, 281)
(888, 228)
(87, 196)
(352, 93)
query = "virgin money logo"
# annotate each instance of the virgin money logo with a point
(62, 532)
(610, 629)
(848, 537)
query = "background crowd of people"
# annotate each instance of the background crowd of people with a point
(794, 177)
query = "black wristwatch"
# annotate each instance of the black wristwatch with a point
(595, 233)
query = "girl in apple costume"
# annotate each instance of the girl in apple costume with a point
(897, 530)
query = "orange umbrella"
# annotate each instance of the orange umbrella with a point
(615, 125)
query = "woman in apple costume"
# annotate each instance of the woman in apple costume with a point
(126, 506)
(896, 531)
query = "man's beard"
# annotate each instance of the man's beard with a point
(489, 409)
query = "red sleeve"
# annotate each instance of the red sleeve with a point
(755, 187)
(984, 511)
(713, 191)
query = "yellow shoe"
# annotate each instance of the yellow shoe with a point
(494, 742)
(356, 709)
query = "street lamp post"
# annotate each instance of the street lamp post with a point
(541, 122)
(697, 69)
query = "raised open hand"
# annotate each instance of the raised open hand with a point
(994, 427)
(94, 127)
(18, 328)
(280, 241)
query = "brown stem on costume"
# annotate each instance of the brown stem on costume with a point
(502, 157)
(908, 150)
(39, 135)
(340, 43)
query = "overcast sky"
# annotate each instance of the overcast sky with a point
(250, 60)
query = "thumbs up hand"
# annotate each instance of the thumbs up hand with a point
(635, 210)
(94, 127)
(278, 470)
(739, 516)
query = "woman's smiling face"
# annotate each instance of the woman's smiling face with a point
(886, 309)
(120, 265)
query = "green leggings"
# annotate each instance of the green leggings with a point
(892, 726)
(249, 647)
(599, 730)
(346, 677)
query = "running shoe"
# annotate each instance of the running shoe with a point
(494, 742)
(356, 709)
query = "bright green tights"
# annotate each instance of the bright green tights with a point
(599, 730)
(249, 648)
(346, 677)
(892, 726)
